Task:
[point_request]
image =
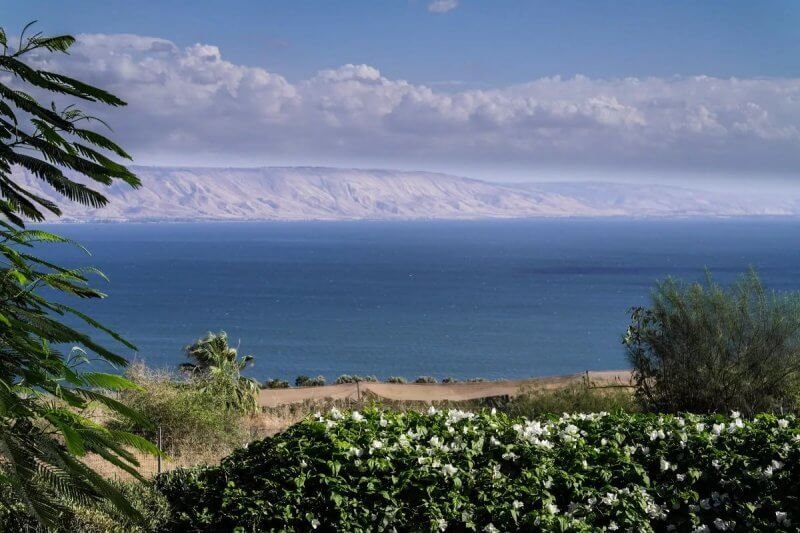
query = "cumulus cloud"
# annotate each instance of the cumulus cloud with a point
(190, 101)
(442, 6)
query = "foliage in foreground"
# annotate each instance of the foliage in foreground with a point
(102, 518)
(706, 348)
(453, 470)
(43, 433)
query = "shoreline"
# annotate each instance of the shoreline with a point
(436, 392)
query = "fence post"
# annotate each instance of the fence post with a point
(358, 391)
(160, 448)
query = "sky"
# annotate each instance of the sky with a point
(683, 91)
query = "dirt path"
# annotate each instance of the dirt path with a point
(432, 392)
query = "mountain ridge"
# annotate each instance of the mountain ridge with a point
(327, 193)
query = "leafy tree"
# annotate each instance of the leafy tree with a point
(43, 434)
(707, 348)
(218, 366)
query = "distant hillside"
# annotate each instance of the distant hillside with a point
(307, 193)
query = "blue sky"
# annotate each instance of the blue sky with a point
(514, 89)
(485, 42)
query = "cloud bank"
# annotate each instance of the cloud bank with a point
(191, 102)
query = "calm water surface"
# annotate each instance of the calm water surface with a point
(491, 299)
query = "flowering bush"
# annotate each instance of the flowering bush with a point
(455, 471)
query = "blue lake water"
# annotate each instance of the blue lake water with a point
(494, 299)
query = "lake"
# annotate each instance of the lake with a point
(491, 299)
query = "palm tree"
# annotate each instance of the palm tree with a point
(219, 367)
(44, 392)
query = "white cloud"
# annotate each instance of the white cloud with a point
(442, 6)
(192, 103)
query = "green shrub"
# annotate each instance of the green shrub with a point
(425, 379)
(396, 379)
(573, 399)
(347, 378)
(305, 381)
(456, 471)
(706, 348)
(101, 518)
(276, 384)
(14, 514)
(192, 417)
(449, 380)
(142, 496)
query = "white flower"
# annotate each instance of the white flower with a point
(510, 456)
(432, 410)
(336, 414)
(356, 451)
(314, 524)
(680, 477)
(701, 529)
(303, 463)
(551, 508)
(783, 423)
(609, 499)
(449, 470)
(496, 472)
(716, 429)
(665, 465)
(736, 414)
(569, 433)
(612, 526)
(782, 518)
(441, 524)
(358, 417)
(376, 445)
(516, 504)
(491, 529)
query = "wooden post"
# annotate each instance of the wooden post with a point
(358, 391)
(160, 447)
